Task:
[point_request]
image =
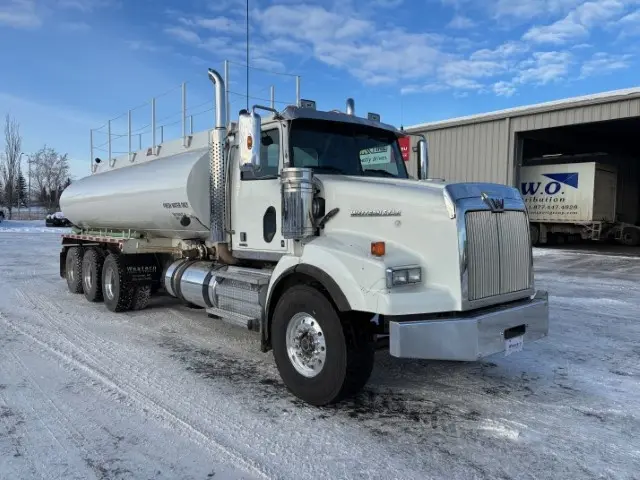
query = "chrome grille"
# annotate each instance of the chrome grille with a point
(498, 253)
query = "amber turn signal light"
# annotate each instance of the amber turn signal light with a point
(377, 249)
(249, 142)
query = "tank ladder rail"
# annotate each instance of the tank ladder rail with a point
(132, 149)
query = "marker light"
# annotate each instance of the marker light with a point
(377, 249)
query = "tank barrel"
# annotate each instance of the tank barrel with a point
(221, 106)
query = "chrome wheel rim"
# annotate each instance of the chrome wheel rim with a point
(109, 280)
(87, 278)
(306, 346)
(70, 273)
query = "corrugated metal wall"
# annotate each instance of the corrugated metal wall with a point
(476, 152)
(574, 116)
(485, 151)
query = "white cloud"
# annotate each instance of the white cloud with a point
(146, 46)
(544, 67)
(226, 5)
(527, 9)
(220, 24)
(630, 24)
(503, 89)
(504, 51)
(20, 14)
(374, 55)
(183, 34)
(602, 63)
(387, 3)
(461, 22)
(459, 72)
(577, 23)
(371, 49)
(86, 5)
(427, 88)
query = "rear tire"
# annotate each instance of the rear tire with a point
(92, 275)
(630, 237)
(319, 360)
(116, 290)
(73, 269)
(141, 297)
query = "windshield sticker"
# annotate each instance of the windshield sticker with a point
(376, 155)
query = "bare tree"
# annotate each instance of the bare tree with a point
(10, 163)
(50, 172)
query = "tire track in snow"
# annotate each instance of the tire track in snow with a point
(143, 401)
(222, 363)
(141, 373)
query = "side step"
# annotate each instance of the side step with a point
(237, 319)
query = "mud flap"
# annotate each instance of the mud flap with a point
(142, 269)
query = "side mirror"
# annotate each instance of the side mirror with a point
(423, 159)
(249, 133)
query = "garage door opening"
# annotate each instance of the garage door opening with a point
(581, 183)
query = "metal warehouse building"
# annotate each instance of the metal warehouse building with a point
(493, 146)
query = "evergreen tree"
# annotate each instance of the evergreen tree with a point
(21, 191)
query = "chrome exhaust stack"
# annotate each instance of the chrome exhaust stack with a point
(217, 174)
(351, 106)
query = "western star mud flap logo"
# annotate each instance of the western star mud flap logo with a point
(141, 273)
(552, 197)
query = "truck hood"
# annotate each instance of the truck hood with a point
(367, 198)
(410, 216)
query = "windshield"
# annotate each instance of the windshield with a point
(345, 148)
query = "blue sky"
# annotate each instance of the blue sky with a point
(70, 65)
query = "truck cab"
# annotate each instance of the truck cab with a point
(305, 227)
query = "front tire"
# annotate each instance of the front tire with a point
(116, 290)
(319, 360)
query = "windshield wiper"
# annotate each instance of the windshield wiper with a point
(383, 172)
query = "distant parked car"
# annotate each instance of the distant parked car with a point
(57, 220)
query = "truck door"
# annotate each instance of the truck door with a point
(256, 202)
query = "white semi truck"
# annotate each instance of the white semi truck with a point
(574, 199)
(305, 227)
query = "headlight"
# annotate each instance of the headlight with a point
(403, 276)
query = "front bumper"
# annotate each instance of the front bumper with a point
(472, 335)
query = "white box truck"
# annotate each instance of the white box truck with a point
(574, 199)
(305, 228)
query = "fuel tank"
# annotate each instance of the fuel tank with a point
(163, 197)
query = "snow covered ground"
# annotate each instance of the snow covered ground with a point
(28, 226)
(169, 393)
